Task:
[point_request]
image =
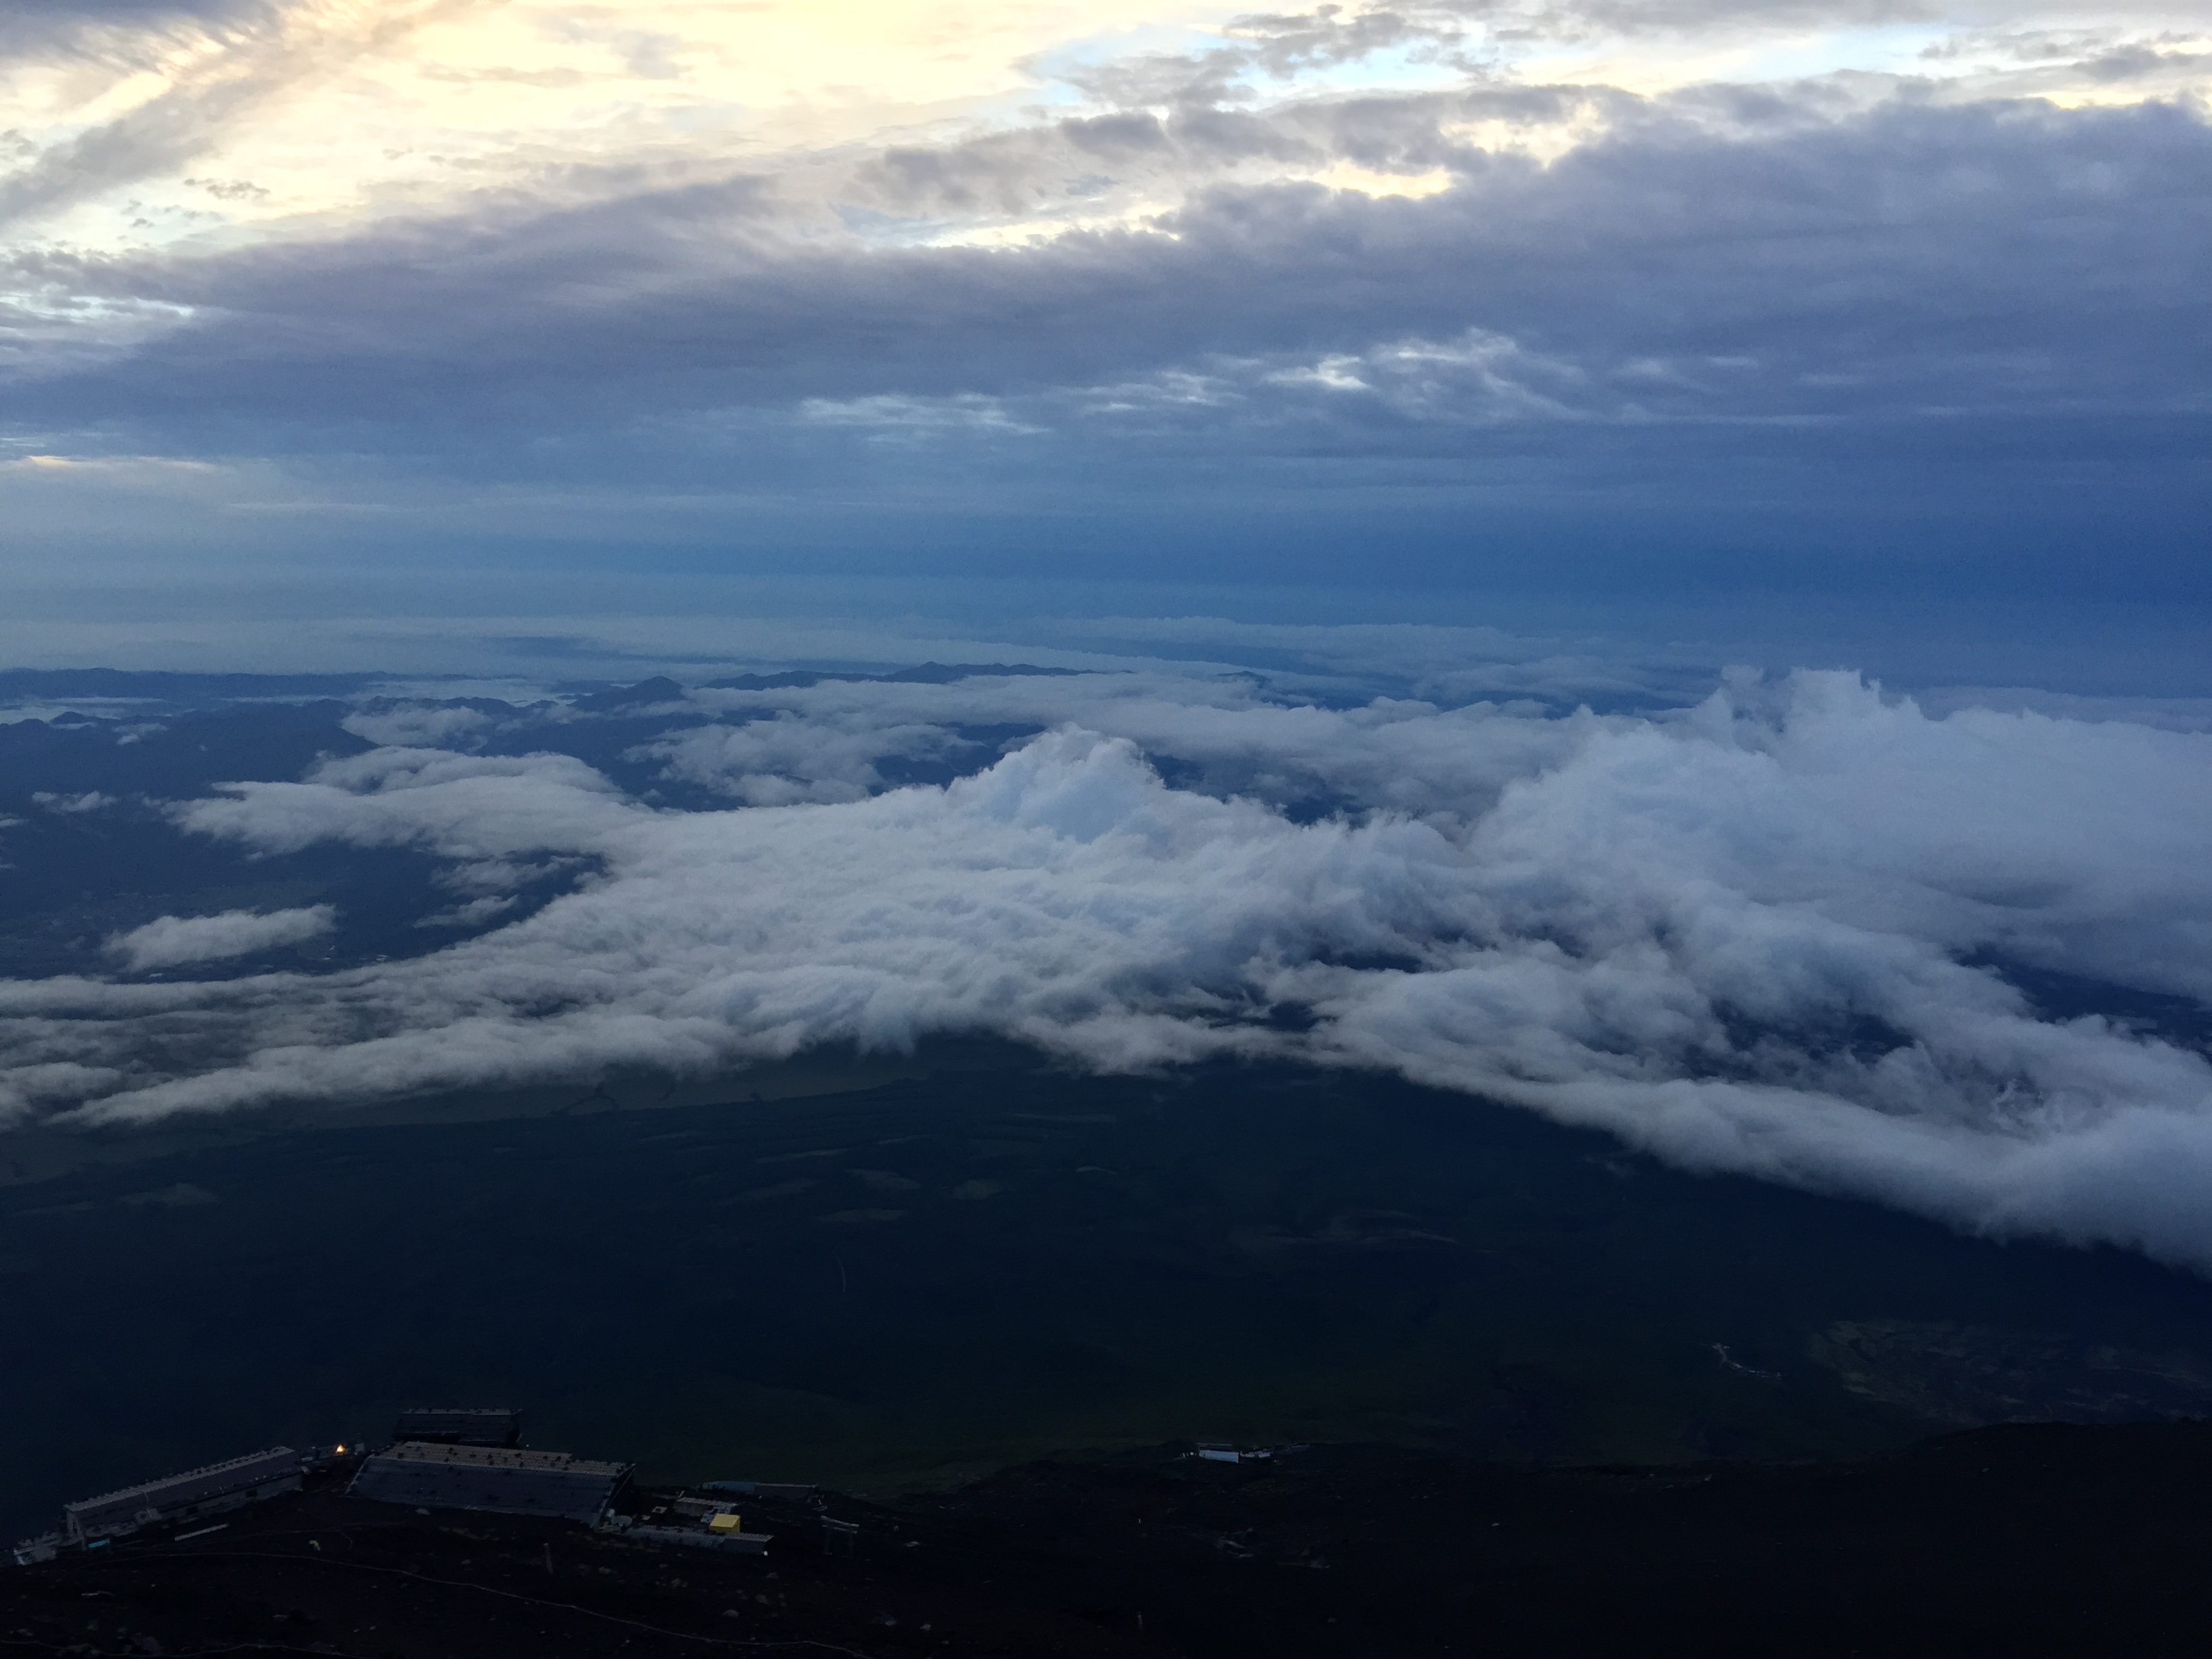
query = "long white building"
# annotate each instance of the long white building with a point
(184, 1497)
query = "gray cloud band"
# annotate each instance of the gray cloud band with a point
(1732, 259)
(1738, 936)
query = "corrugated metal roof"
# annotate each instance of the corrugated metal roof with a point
(232, 1472)
(498, 1457)
(491, 1478)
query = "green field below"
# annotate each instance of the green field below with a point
(937, 1268)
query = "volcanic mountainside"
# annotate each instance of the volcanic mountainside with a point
(2020, 1539)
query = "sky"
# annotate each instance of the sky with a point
(390, 334)
(1642, 562)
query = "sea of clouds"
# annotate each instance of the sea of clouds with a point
(1768, 933)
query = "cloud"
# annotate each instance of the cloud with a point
(1905, 311)
(248, 55)
(474, 808)
(1768, 934)
(43, 26)
(411, 725)
(175, 941)
(791, 757)
(474, 913)
(1889, 268)
(90, 801)
(1873, 310)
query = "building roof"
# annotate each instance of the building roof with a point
(245, 1469)
(497, 1479)
(500, 1412)
(501, 1457)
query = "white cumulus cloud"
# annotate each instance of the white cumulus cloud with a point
(1768, 935)
(171, 941)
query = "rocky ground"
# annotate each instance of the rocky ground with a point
(2023, 1539)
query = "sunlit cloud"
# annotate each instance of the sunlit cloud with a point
(301, 118)
(709, 275)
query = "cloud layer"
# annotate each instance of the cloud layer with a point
(1141, 290)
(445, 309)
(1769, 934)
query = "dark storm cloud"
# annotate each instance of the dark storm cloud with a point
(1745, 260)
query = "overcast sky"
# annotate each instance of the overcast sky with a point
(1858, 331)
